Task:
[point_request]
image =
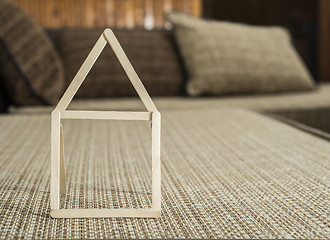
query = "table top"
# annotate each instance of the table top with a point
(227, 173)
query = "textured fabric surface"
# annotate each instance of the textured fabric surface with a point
(30, 66)
(228, 58)
(152, 54)
(225, 174)
(270, 102)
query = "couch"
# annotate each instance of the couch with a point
(311, 108)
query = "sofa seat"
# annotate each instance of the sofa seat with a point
(318, 99)
(308, 108)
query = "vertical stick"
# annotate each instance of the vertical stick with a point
(62, 164)
(55, 161)
(155, 155)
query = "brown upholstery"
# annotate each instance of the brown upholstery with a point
(30, 67)
(231, 58)
(152, 55)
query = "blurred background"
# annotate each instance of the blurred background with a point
(31, 75)
(307, 20)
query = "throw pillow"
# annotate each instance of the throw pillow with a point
(228, 58)
(30, 66)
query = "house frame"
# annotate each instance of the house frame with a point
(58, 181)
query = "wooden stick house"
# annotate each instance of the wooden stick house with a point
(58, 185)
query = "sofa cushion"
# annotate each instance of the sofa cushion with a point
(263, 102)
(228, 58)
(30, 66)
(152, 54)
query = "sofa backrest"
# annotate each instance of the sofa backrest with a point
(153, 55)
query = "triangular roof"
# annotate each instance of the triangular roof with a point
(106, 37)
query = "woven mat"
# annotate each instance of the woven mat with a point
(225, 174)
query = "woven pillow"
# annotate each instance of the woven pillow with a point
(30, 66)
(227, 58)
(152, 54)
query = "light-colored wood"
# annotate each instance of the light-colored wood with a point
(58, 184)
(130, 20)
(156, 162)
(107, 36)
(104, 13)
(90, 13)
(111, 115)
(81, 74)
(55, 161)
(149, 18)
(62, 163)
(120, 13)
(195, 7)
(139, 13)
(110, 13)
(126, 64)
(158, 13)
(104, 213)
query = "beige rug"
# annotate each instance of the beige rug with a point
(225, 174)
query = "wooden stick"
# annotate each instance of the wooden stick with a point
(156, 163)
(104, 213)
(81, 74)
(58, 180)
(109, 37)
(126, 64)
(111, 115)
(62, 164)
(55, 161)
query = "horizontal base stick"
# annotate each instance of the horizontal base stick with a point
(104, 213)
(106, 115)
